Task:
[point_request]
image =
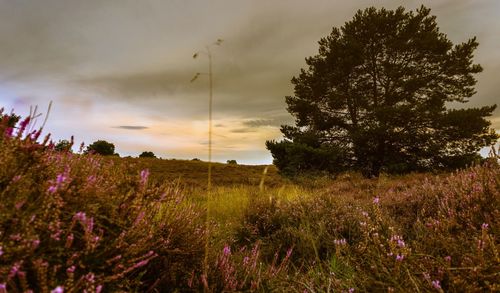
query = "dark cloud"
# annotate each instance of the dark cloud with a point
(131, 56)
(273, 122)
(243, 130)
(131, 127)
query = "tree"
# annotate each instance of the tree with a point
(375, 99)
(101, 147)
(147, 154)
(232, 162)
(64, 145)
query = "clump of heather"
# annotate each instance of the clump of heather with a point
(440, 234)
(245, 270)
(73, 223)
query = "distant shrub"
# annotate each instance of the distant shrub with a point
(232, 162)
(101, 147)
(147, 154)
(196, 160)
(63, 145)
(82, 223)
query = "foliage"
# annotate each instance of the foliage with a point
(375, 99)
(147, 154)
(101, 147)
(232, 162)
(81, 223)
(435, 234)
(64, 145)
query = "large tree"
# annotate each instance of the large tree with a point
(383, 94)
(101, 147)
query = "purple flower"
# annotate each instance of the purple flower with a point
(9, 131)
(35, 243)
(400, 257)
(60, 179)
(447, 258)
(70, 270)
(52, 189)
(141, 263)
(3, 288)
(376, 200)
(484, 226)
(227, 250)
(80, 216)
(58, 289)
(436, 284)
(144, 176)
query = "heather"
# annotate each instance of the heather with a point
(74, 222)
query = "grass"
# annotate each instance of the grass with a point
(73, 222)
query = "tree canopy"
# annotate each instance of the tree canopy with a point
(382, 95)
(147, 154)
(101, 147)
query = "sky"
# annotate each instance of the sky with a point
(120, 70)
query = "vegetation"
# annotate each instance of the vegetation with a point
(64, 145)
(375, 99)
(232, 162)
(147, 154)
(78, 222)
(101, 147)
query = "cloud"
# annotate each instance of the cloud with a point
(100, 60)
(243, 130)
(131, 127)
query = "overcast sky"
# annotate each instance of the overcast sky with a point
(121, 70)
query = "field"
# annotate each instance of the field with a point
(74, 222)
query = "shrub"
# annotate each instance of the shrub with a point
(84, 224)
(101, 147)
(232, 162)
(147, 154)
(64, 145)
(440, 233)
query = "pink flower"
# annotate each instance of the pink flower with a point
(9, 131)
(70, 270)
(376, 200)
(227, 250)
(484, 226)
(80, 216)
(58, 289)
(52, 189)
(144, 176)
(35, 243)
(436, 284)
(447, 258)
(400, 257)
(3, 288)
(60, 179)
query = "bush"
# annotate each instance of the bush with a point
(435, 234)
(147, 154)
(232, 162)
(64, 145)
(101, 147)
(83, 224)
